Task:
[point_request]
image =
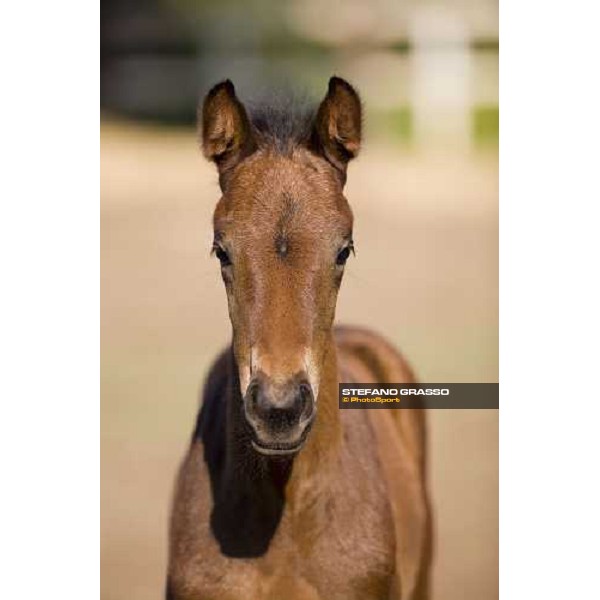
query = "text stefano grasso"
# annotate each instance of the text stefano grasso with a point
(395, 391)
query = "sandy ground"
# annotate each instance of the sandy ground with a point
(426, 275)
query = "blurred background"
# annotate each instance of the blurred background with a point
(425, 196)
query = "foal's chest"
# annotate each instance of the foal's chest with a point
(335, 539)
(334, 542)
(345, 553)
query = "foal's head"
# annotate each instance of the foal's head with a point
(282, 233)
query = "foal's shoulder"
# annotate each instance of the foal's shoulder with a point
(367, 357)
(373, 353)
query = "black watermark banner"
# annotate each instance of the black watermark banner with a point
(418, 395)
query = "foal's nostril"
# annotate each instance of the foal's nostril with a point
(258, 402)
(252, 393)
(306, 399)
(306, 391)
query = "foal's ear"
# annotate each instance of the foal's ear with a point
(338, 125)
(225, 128)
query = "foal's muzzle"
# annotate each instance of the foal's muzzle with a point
(279, 416)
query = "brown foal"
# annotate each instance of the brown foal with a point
(282, 496)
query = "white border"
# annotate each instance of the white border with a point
(49, 245)
(549, 301)
(49, 317)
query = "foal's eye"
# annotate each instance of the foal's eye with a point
(343, 254)
(222, 255)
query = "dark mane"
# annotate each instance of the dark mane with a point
(283, 123)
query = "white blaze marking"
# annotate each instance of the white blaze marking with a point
(312, 371)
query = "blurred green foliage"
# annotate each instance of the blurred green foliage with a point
(486, 122)
(159, 57)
